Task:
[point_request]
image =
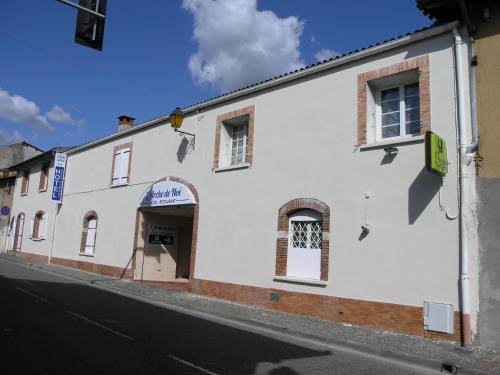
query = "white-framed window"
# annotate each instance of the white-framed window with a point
(239, 142)
(121, 166)
(398, 111)
(305, 237)
(234, 142)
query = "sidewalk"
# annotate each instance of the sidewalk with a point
(409, 349)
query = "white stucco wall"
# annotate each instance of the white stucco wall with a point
(33, 202)
(305, 136)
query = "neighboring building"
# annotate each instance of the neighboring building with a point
(304, 193)
(10, 155)
(482, 19)
(33, 211)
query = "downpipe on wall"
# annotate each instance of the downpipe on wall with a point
(466, 156)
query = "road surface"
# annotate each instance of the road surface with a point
(50, 324)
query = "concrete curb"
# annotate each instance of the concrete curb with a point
(355, 347)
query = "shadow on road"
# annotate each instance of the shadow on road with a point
(55, 340)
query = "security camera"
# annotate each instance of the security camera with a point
(366, 228)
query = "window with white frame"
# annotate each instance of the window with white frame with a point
(234, 142)
(121, 164)
(399, 111)
(239, 142)
(304, 244)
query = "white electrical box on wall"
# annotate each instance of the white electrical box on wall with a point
(439, 317)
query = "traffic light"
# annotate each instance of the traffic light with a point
(89, 26)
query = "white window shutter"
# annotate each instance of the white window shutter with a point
(117, 167)
(12, 233)
(91, 232)
(124, 165)
(32, 225)
(43, 226)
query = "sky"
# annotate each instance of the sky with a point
(162, 54)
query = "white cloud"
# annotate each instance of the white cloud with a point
(325, 54)
(6, 138)
(16, 108)
(240, 45)
(59, 114)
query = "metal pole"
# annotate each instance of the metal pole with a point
(71, 4)
(53, 232)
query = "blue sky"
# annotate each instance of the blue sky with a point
(161, 54)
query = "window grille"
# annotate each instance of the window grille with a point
(306, 234)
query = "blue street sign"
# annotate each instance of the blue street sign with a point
(59, 167)
(5, 211)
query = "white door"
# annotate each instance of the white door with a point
(19, 232)
(91, 232)
(304, 245)
(12, 233)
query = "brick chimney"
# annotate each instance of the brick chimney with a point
(125, 122)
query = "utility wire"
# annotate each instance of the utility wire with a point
(81, 66)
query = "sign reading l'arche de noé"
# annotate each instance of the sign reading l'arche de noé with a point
(166, 193)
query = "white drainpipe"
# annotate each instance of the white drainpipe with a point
(464, 184)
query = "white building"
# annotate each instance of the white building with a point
(266, 204)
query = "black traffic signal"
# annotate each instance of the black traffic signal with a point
(90, 27)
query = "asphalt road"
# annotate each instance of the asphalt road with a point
(54, 325)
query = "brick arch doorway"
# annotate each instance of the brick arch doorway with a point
(166, 232)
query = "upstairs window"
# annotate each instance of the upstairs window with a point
(44, 177)
(399, 111)
(121, 165)
(239, 142)
(26, 182)
(234, 139)
(39, 226)
(394, 101)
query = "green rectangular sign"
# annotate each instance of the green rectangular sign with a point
(436, 159)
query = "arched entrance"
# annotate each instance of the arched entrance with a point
(166, 232)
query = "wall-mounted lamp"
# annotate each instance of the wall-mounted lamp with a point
(176, 118)
(391, 150)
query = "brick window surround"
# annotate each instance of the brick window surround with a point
(247, 111)
(36, 224)
(115, 149)
(25, 182)
(44, 176)
(282, 241)
(86, 218)
(422, 64)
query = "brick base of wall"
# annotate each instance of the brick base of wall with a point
(387, 316)
(102, 269)
(30, 256)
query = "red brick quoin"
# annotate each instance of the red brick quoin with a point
(282, 241)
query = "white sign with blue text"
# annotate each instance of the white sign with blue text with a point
(58, 185)
(166, 193)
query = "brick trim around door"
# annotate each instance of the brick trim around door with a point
(282, 241)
